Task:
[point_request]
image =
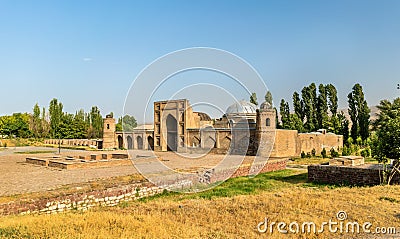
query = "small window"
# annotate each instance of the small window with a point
(108, 126)
(268, 122)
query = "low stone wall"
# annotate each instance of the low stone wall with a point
(112, 196)
(72, 142)
(365, 175)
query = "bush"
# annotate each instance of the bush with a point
(323, 153)
(350, 141)
(366, 152)
(359, 141)
(346, 151)
(303, 155)
(308, 155)
(313, 152)
(334, 153)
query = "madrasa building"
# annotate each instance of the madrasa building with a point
(243, 129)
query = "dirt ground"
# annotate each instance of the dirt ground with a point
(17, 177)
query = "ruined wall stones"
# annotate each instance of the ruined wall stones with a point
(113, 196)
(371, 175)
(72, 142)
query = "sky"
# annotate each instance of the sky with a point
(88, 53)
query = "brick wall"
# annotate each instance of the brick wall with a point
(347, 175)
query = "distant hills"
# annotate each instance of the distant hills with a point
(374, 112)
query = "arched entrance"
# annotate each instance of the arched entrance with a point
(172, 133)
(150, 141)
(120, 142)
(139, 141)
(130, 143)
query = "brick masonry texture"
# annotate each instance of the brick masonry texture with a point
(347, 175)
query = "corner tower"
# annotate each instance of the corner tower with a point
(109, 132)
(265, 129)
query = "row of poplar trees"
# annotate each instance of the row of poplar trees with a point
(59, 124)
(317, 108)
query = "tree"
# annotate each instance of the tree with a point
(16, 125)
(35, 124)
(385, 144)
(284, 111)
(322, 108)
(359, 113)
(289, 121)
(56, 113)
(95, 129)
(333, 99)
(298, 106)
(128, 123)
(364, 121)
(344, 127)
(268, 97)
(253, 99)
(45, 126)
(309, 96)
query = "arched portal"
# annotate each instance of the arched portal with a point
(172, 133)
(139, 141)
(120, 142)
(130, 143)
(150, 141)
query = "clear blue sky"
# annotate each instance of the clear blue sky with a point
(88, 52)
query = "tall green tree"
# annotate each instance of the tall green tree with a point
(284, 111)
(359, 113)
(309, 96)
(96, 123)
(322, 108)
(45, 126)
(253, 99)
(268, 97)
(35, 124)
(298, 106)
(56, 114)
(343, 122)
(333, 99)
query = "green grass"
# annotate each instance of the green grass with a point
(370, 160)
(35, 152)
(243, 186)
(307, 161)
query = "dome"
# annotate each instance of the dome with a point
(265, 106)
(242, 107)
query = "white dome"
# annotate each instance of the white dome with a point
(242, 107)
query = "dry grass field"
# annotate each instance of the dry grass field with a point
(231, 210)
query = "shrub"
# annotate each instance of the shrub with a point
(366, 152)
(350, 141)
(359, 140)
(313, 152)
(323, 153)
(346, 151)
(334, 153)
(303, 155)
(308, 155)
